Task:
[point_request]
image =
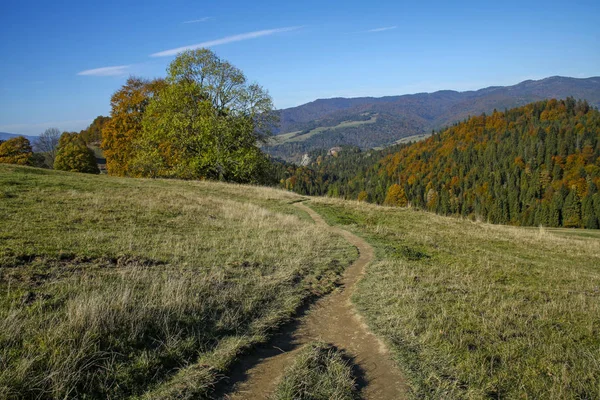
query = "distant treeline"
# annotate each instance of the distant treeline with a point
(66, 151)
(534, 165)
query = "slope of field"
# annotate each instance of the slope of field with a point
(120, 287)
(300, 136)
(332, 319)
(127, 288)
(416, 114)
(476, 311)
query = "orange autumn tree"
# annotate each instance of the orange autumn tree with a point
(363, 196)
(93, 133)
(396, 196)
(128, 105)
(16, 151)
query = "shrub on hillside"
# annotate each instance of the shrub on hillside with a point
(74, 156)
(16, 151)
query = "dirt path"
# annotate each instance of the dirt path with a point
(334, 320)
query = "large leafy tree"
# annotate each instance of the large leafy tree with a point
(176, 134)
(128, 105)
(16, 151)
(206, 123)
(74, 156)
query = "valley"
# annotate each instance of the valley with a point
(400, 117)
(528, 166)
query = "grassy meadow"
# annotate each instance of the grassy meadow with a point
(123, 288)
(298, 136)
(150, 289)
(478, 311)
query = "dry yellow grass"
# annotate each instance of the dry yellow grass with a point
(145, 288)
(473, 310)
(151, 289)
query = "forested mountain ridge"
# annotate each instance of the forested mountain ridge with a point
(534, 165)
(6, 136)
(409, 115)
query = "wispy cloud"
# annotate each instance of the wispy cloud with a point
(385, 28)
(195, 21)
(225, 40)
(106, 71)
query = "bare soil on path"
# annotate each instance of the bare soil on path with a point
(334, 320)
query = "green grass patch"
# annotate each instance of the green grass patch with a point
(477, 311)
(300, 136)
(131, 288)
(407, 139)
(318, 372)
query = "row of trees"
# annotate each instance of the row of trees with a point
(66, 152)
(204, 121)
(534, 165)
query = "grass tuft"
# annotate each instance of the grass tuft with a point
(318, 372)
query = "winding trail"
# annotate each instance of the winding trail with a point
(332, 319)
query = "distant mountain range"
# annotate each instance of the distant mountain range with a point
(370, 122)
(6, 136)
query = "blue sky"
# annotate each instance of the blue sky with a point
(62, 60)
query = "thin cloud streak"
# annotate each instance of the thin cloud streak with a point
(195, 21)
(225, 40)
(385, 28)
(106, 71)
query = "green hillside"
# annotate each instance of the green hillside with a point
(533, 165)
(136, 288)
(117, 288)
(300, 136)
(479, 311)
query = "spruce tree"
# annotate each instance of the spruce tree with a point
(572, 211)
